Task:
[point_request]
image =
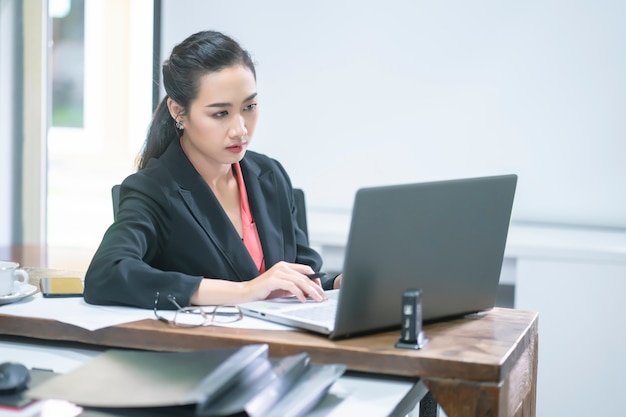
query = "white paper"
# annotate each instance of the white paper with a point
(75, 311)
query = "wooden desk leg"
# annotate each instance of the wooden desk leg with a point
(514, 396)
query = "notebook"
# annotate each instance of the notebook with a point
(446, 238)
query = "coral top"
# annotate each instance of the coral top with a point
(250, 233)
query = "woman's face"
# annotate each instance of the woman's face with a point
(220, 122)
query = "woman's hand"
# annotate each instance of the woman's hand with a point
(285, 279)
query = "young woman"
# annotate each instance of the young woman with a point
(204, 219)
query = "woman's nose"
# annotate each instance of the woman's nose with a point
(239, 128)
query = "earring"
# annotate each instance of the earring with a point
(179, 125)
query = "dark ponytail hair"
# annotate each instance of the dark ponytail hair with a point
(200, 54)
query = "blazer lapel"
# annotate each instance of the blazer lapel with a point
(267, 209)
(207, 211)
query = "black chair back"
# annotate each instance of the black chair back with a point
(301, 210)
(115, 196)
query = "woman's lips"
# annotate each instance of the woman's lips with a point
(237, 148)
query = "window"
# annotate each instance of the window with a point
(68, 62)
(101, 89)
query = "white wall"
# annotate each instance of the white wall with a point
(581, 349)
(358, 93)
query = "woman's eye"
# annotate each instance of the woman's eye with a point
(250, 107)
(221, 114)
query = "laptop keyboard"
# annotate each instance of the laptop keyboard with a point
(320, 312)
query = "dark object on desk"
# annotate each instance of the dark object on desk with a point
(19, 402)
(411, 334)
(58, 287)
(291, 386)
(212, 382)
(14, 377)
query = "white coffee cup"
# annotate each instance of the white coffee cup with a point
(10, 273)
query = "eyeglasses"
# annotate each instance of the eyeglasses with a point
(198, 316)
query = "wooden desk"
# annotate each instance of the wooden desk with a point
(483, 365)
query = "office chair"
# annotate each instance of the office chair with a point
(115, 196)
(300, 202)
(297, 193)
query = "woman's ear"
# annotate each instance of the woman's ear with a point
(176, 110)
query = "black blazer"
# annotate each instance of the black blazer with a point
(171, 231)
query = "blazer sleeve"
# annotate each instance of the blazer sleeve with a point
(120, 272)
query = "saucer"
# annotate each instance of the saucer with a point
(23, 290)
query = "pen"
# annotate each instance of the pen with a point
(316, 275)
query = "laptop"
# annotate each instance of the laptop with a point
(446, 238)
